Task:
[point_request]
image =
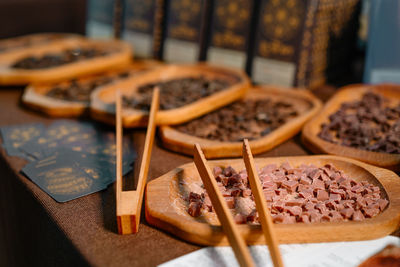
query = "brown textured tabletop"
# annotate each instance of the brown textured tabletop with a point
(35, 230)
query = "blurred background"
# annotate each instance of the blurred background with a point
(301, 43)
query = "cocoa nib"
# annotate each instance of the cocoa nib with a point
(250, 119)
(368, 124)
(175, 93)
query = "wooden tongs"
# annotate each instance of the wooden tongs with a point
(129, 203)
(225, 217)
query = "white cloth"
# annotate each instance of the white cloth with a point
(337, 254)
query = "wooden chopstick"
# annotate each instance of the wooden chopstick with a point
(261, 205)
(118, 130)
(225, 217)
(129, 203)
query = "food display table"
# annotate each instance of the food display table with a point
(35, 230)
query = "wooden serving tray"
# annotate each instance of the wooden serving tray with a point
(35, 94)
(350, 93)
(166, 209)
(307, 105)
(32, 40)
(102, 104)
(14, 76)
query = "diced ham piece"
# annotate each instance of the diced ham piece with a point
(234, 179)
(252, 216)
(207, 203)
(278, 206)
(235, 192)
(269, 168)
(347, 213)
(244, 205)
(322, 195)
(195, 208)
(295, 202)
(370, 212)
(335, 216)
(290, 186)
(269, 194)
(335, 197)
(239, 218)
(305, 180)
(194, 196)
(358, 216)
(230, 201)
(228, 171)
(305, 194)
(309, 206)
(382, 204)
(304, 218)
(269, 185)
(318, 184)
(286, 166)
(217, 171)
(295, 210)
(314, 217)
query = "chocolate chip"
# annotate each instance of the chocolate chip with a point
(175, 93)
(249, 119)
(57, 59)
(369, 124)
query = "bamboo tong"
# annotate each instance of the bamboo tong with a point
(129, 203)
(225, 217)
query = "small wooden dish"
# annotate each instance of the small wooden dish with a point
(35, 94)
(306, 104)
(15, 76)
(166, 209)
(347, 94)
(102, 104)
(28, 41)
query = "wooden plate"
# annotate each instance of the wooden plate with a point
(350, 93)
(166, 209)
(31, 40)
(306, 104)
(15, 76)
(35, 94)
(102, 104)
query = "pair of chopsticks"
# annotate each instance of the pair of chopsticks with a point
(129, 203)
(225, 217)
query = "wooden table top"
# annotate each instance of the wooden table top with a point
(83, 232)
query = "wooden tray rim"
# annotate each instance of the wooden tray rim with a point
(137, 118)
(183, 143)
(318, 145)
(389, 218)
(10, 75)
(58, 107)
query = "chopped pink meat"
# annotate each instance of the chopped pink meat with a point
(305, 194)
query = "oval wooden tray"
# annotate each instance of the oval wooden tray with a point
(350, 93)
(27, 41)
(307, 104)
(166, 209)
(35, 94)
(102, 104)
(14, 76)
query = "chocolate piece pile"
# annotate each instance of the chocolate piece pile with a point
(249, 119)
(304, 194)
(175, 93)
(80, 91)
(368, 124)
(57, 59)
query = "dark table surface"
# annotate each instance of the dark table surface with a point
(35, 230)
